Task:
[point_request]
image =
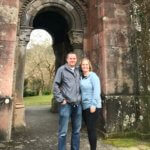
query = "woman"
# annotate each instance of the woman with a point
(91, 100)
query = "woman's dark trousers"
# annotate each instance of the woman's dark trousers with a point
(90, 121)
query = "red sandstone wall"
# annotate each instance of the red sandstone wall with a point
(95, 39)
(108, 47)
(8, 29)
(8, 26)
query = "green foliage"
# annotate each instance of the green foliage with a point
(38, 100)
(39, 69)
(29, 92)
(46, 92)
(140, 40)
(127, 142)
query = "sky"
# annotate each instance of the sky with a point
(38, 36)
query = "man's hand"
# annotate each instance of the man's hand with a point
(64, 102)
(92, 109)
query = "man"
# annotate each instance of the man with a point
(67, 93)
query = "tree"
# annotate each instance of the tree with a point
(40, 66)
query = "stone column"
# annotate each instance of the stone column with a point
(113, 61)
(118, 78)
(8, 27)
(19, 116)
(76, 39)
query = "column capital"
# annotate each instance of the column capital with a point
(24, 34)
(76, 38)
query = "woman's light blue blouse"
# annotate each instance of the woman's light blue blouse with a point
(90, 91)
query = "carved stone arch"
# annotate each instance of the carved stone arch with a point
(73, 11)
(74, 14)
(70, 8)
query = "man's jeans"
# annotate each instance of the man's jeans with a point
(66, 112)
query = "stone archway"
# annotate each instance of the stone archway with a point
(68, 36)
(107, 40)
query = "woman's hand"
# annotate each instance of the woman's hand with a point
(92, 109)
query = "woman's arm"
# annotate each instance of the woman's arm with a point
(96, 90)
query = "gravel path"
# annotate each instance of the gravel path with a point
(41, 133)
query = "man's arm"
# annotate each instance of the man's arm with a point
(56, 86)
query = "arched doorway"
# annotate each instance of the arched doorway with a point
(65, 21)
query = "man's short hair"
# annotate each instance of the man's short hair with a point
(70, 53)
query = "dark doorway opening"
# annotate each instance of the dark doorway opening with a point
(57, 23)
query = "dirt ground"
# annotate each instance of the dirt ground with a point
(41, 133)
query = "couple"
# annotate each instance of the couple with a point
(75, 93)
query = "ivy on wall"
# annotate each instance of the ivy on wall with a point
(140, 43)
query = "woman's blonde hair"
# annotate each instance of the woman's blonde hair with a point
(89, 62)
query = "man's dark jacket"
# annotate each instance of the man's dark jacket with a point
(67, 84)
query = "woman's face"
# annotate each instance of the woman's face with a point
(85, 66)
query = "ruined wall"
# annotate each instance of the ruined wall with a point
(8, 27)
(140, 45)
(109, 47)
(117, 42)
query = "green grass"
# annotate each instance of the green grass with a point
(38, 100)
(127, 142)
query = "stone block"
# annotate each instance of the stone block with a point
(112, 70)
(33, 10)
(7, 49)
(109, 9)
(92, 3)
(143, 108)
(100, 24)
(8, 32)
(95, 41)
(102, 41)
(5, 120)
(11, 3)
(93, 21)
(101, 11)
(6, 76)
(115, 36)
(8, 15)
(36, 4)
(123, 2)
(119, 85)
(121, 113)
(119, 54)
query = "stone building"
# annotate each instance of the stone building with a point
(98, 29)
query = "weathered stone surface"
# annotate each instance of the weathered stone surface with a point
(8, 14)
(115, 1)
(7, 49)
(10, 3)
(121, 113)
(8, 29)
(7, 32)
(19, 147)
(6, 76)
(143, 109)
(6, 121)
(2, 146)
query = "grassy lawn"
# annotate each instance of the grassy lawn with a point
(127, 142)
(38, 100)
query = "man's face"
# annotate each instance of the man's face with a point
(71, 60)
